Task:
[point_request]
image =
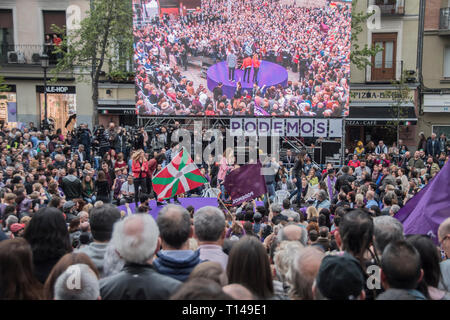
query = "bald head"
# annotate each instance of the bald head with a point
(293, 232)
(444, 229)
(174, 223)
(238, 292)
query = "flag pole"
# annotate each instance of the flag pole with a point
(223, 204)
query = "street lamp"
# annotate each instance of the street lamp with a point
(44, 65)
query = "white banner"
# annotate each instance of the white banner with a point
(264, 127)
(335, 128)
(320, 128)
(236, 127)
(307, 128)
(277, 127)
(250, 127)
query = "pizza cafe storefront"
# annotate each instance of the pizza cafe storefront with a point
(374, 116)
(124, 115)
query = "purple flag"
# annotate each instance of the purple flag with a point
(426, 210)
(245, 183)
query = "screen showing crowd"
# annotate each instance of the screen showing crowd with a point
(311, 40)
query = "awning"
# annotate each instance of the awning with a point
(381, 115)
(129, 110)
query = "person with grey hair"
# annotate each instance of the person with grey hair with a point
(386, 229)
(209, 230)
(84, 286)
(276, 209)
(394, 209)
(136, 239)
(175, 259)
(288, 212)
(293, 232)
(444, 240)
(303, 271)
(322, 200)
(283, 256)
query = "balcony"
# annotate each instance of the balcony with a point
(389, 7)
(444, 21)
(25, 54)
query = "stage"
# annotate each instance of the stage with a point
(197, 203)
(270, 74)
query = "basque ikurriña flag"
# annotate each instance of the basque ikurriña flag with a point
(179, 176)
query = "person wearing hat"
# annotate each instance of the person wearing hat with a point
(17, 229)
(69, 209)
(339, 278)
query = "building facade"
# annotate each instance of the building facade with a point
(26, 34)
(435, 114)
(376, 111)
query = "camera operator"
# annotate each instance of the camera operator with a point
(120, 142)
(111, 133)
(102, 140)
(84, 138)
(172, 129)
(140, 139)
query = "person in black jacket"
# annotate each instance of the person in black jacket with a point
(102, 188)
(297, 176)
(343, 179)
(71, 186)
(85, 140)
(136, 240)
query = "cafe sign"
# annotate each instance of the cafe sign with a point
(370, 95)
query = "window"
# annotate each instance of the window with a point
(6, 34)
(447, 62)
(51, 39)
(440, 130)
(57, 18)
(384, 62)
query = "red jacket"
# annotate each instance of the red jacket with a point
(136, 168)
(247, 63)
(152, 164)
(256, 63)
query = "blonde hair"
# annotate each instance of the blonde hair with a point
(311, 212)
(136, 155)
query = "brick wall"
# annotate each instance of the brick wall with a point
(432, 14)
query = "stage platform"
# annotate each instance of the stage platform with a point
(270, 74)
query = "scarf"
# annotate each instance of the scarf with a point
(330, 184)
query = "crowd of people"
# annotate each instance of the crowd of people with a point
(319, 242)
(315, 42)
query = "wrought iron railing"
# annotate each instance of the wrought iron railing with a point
(444, 19)
(26, 54)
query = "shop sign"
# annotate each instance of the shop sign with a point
(57, 89)
(367, 95)
(361, 122)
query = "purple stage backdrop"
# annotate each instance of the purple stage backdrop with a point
(197, 203)
(270, 74)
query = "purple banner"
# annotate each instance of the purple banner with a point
(245, 183)
(426, 210)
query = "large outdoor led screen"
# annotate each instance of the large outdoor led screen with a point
(282, 58)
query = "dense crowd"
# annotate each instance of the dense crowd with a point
(315, 42)
(58, 220)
